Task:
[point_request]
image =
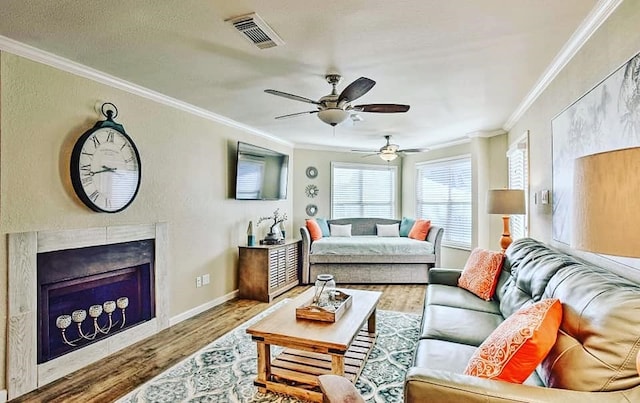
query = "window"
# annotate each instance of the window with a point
(361, 190)
(443, 195)
(518, 156)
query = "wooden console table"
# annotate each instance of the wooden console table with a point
(266, 271)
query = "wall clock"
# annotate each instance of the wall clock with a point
(311, 172)
(311, 191)
(105, 165)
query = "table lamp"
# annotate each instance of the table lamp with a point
(505, 202)
(606, 196)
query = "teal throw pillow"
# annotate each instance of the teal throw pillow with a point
(324, 227)
(405, 226)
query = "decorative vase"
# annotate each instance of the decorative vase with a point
(325, 288)
(251, 237)
(282, 230)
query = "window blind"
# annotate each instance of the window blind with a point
(519, 179)
(362, 190)
(443, 195)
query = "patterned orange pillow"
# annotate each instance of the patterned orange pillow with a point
(519, 344)
(314, 229)
(420, 230)
(481, 272)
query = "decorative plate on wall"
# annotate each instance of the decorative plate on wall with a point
(311, 210)
(311, 191)
(312, 172)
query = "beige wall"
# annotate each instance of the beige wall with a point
(615, 42)
(187, 170)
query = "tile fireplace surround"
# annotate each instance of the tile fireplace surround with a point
(23, 372)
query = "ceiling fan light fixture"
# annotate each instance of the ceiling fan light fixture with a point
(387, 156)
(333, 116)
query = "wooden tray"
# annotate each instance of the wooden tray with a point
(314, 312)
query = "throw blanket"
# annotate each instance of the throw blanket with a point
(370, 245)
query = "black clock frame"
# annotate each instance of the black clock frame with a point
(76, 179)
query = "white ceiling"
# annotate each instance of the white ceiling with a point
(463, 65)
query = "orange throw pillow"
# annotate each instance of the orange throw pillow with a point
(519, 344)
(420, 230)
(314, 229)
(481, 272)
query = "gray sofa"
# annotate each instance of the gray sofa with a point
(367, 268)
(593, 359)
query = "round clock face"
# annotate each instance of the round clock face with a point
(105, 169)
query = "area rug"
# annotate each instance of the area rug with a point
(224, 370)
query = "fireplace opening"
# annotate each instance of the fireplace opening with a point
(88, 294)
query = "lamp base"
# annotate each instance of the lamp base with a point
(506, 240)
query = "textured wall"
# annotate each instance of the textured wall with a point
(187, 170)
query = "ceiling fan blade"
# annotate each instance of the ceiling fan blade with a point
(382, 108)
(364, 151)
(413, 150)
(356, 89)
(291, 96)
(295, 114)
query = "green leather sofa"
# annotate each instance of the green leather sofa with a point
(593, 359)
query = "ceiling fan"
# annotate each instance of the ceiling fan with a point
(335, 108)
(390, 152)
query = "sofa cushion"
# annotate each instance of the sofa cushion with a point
(420, 229)
(458, 325)
(514, 350)
(457, 297)
(453, 357)
(480, 273)
(340, 230)
(405, 226)
(324, 226)
(600, 335)
(314, 229)
(388, 230)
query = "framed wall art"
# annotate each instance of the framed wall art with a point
(605, 118)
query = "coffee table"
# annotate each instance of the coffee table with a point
(314, 347)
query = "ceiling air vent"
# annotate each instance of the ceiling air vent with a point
(256, 30)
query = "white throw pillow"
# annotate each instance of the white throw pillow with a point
(340, 230)
(390, 230)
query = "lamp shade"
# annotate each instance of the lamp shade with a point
(506, 201)
(606, 197)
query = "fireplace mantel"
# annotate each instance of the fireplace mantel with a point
(23, 372)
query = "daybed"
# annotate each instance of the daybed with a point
(592, 360)
(375, 259)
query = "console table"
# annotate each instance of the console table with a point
(266, 271)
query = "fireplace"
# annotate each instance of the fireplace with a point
(88, 294)
(150, 273)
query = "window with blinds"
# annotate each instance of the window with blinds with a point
(443, 195)
(362, 190)
(518, 156)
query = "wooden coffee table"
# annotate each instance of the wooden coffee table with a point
(313, 347)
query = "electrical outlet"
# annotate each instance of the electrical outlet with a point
(206, 279)
(199, 281)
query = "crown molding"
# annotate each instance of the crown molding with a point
(486, 133)
(601, 11)
(32, 53)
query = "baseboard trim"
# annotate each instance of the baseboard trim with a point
(3, 396)
(199, 309)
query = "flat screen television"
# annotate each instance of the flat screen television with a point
(261, 174)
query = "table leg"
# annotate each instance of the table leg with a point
(371, 324)
(264, 364)
(337, 364)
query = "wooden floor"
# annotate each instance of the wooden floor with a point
(115, 376)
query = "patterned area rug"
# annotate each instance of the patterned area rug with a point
(224, 370)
